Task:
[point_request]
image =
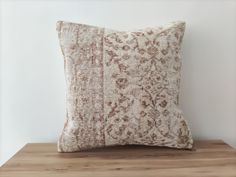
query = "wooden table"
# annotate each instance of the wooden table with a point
(210, 158)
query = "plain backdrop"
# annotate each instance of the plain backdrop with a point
(32, 99)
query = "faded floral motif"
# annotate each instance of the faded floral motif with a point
(122, 87)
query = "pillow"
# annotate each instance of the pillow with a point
(122, 87)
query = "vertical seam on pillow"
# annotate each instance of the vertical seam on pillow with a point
(103, 99)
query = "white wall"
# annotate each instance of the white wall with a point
(33, 87)
(0, 82)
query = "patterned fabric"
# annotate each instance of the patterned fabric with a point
(122, 87)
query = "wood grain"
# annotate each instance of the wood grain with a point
(209, 159)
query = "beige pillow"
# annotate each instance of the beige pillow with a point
(122, 87)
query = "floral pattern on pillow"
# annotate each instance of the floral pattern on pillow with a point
(122, 87)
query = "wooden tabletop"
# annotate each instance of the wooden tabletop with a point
(210, 158)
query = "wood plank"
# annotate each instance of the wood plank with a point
(211, 158)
